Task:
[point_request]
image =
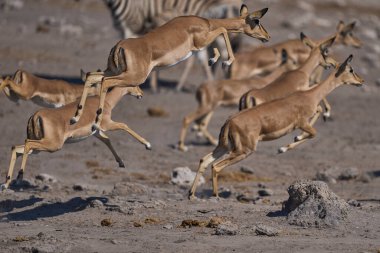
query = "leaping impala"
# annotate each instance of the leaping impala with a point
(292, 81)
(265, 59)
(240, 134)
(49, 129)
(44, 92)
(212, 94)
(166, 46)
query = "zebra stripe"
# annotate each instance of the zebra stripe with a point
(134, 18)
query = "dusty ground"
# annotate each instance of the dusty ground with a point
(57, 218)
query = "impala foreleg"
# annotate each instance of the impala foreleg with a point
(205, 132)
(327, 113)
(312, 122)
(310, 131)
(104, 138)
(218, 166)
(204, 162)
(213, 35)
(16, 151)
(123, 80)
(91, 79)
(122, 126)
(199, 113)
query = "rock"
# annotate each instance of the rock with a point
(325, 176)
(226, 228)
(183, 176)
(265, 192)
(79, 187)
(168, 226)
(11, 5)
(354, 203)
(95, 203)
(312, 203)
(106, 222)
(157, 112)
(348, 174)
(247, 170)
(71, 30)
(266, 230)
(137, 224)
(46, 178)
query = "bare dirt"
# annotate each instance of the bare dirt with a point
(97, 207)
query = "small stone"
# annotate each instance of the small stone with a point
(353, 202)
(95, 203)
(266, 230)
(183, 176)
(114, 241)
(157, 112)
(79, 187)
(265, 192)
(325, 176)
(226, 228)
(168, 226)
(106, 222)
(46, 178)
(137, 224)
(247, 170)
(216, 221)
(348, 174)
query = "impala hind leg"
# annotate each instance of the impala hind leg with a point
(327, 113)
(122, 126)
(16, 152)
(203, 164)
(91, 79)
(219, 165)
(311, 132)
(104, 138)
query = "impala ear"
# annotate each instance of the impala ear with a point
(284, 56)
(83, 75)
(340, 26)
(348, 28)
(243, 10)
(258, 14)
(308, 42)
(327, 43)
(343, 66)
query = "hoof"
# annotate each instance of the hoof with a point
(94, 128)
(73, 121)
(211, 61)
(191, 196)
(121, 164)
(3, 187)
(282, 150)
(183, 148)
(148, 146)
(297, 138)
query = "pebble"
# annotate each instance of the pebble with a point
(348, 174)
(247, 170)
(266, 230)
(183, 176)
(46, 178)
(168, 226)
(354, 203)
(95, 203)
(226, 228)
(265, 192)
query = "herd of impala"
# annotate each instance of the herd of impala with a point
(278, 88)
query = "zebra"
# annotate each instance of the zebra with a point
(135, 18)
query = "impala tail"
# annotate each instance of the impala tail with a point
(35, 130)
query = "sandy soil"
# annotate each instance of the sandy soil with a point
(144, 209)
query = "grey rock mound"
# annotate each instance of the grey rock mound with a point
(313, 204)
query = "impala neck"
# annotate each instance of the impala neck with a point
(311, 63)
(231, 24)
(326, 87)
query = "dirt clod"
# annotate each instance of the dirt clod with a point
(157, 112)
(106, 222)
